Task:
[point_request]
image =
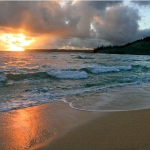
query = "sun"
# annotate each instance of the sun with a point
(15, 42)
(16, 48)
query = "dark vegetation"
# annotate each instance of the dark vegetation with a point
(139, 47)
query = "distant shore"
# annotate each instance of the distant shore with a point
(139, 47)
(59, 50)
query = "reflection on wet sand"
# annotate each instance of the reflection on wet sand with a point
(34, 127)
(24, 128)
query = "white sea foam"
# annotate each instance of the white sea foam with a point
(84, 57)
(81, 57)
(16, 104)
(40, 95)
(68, 74)
(20, 70)
(35, 97)
(97, 70)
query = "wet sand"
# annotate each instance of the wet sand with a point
(56, 126)
(36, 126)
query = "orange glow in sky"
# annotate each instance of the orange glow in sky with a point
(15, 42)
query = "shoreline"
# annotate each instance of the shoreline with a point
(57, 126)
(33, 127)
(128, 130)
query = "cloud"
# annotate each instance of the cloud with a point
(143, 33)
(118, 25)
(142, 3)
(38, 17)
(82, 24)
(102, 5)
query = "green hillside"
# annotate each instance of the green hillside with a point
(139, 47)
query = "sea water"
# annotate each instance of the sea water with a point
(87, 81)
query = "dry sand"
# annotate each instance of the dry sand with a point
(56, 126)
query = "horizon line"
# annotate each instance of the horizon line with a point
(69, 0)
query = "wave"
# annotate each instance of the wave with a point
(18, 77)
(81, 57)
(84, 57)
(1, 70)
(63, 74)
(142, 68)
(16, 105)
(36, 96)
(20, 70)
(104, 69)
(68, 74)
(3, 78)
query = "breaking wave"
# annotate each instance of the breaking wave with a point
(68, 74)
(3, 78)
(105, 69)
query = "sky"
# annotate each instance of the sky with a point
(72, 24)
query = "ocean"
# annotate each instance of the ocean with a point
(87, 81)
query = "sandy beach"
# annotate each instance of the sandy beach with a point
(56, 126)
(74, 75)
(36, 126)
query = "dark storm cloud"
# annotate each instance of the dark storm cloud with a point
(118, 25)
(103, 4)
(112, 22)
(40, 17)
(143, 33)
(46, 17)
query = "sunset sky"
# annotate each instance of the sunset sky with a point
(72, 24)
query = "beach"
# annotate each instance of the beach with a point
(75, 75)
(74, 101)
(57, 126)
(32, 127)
